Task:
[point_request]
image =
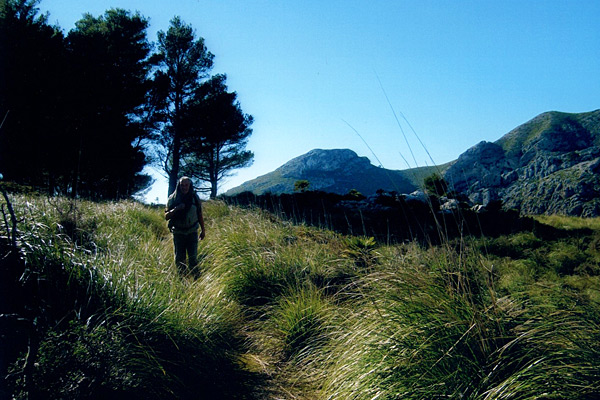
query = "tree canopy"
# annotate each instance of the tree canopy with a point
(111, 52)
(72, 102)
(183, 62)
(83, 113)
(218, 132)
(32, 96)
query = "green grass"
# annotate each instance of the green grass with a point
(569, 223)
(118, 291)
(283, 311)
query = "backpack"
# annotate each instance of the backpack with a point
(197, 203)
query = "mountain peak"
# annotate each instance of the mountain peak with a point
(552, 131)
(333, 170)
(549, 164)
(323, 161)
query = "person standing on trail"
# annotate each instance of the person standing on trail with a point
(184, 213)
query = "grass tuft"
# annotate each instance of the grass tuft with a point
(96, 308)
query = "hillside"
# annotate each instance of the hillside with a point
(334, 171)
(548, 165)
(93, 307)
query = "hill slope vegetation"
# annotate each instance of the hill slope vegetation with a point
(96, 309)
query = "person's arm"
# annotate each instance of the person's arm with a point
(201, 220)
(170, 213)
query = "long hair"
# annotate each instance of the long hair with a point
(180, 197)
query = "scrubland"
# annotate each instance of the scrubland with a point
(95, 308)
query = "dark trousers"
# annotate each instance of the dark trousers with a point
(186, 245)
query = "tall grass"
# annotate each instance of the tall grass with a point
(569, 223)
(119, 320)
(438, 330)
(283, 311)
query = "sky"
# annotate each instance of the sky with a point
(405, 83)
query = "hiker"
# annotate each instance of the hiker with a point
(184, 213)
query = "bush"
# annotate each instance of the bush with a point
(362, 251)
(565, 258)
(435, 185)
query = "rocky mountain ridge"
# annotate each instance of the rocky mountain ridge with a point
(548, 165)
(334, 171)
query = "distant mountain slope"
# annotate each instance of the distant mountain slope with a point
(334, 171)
(548, 165)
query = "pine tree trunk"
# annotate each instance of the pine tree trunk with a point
(174, 173)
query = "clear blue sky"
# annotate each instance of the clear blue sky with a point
(313, 72)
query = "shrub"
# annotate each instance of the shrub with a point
(362, 251)
(435, 185)
(565, 258)
(301, 185)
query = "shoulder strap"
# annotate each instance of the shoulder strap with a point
(198, 205)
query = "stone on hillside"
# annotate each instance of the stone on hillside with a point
(548, 165)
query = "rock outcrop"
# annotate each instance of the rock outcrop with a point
(335, 171)
(549, 165)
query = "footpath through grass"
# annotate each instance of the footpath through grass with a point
(95, 308)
